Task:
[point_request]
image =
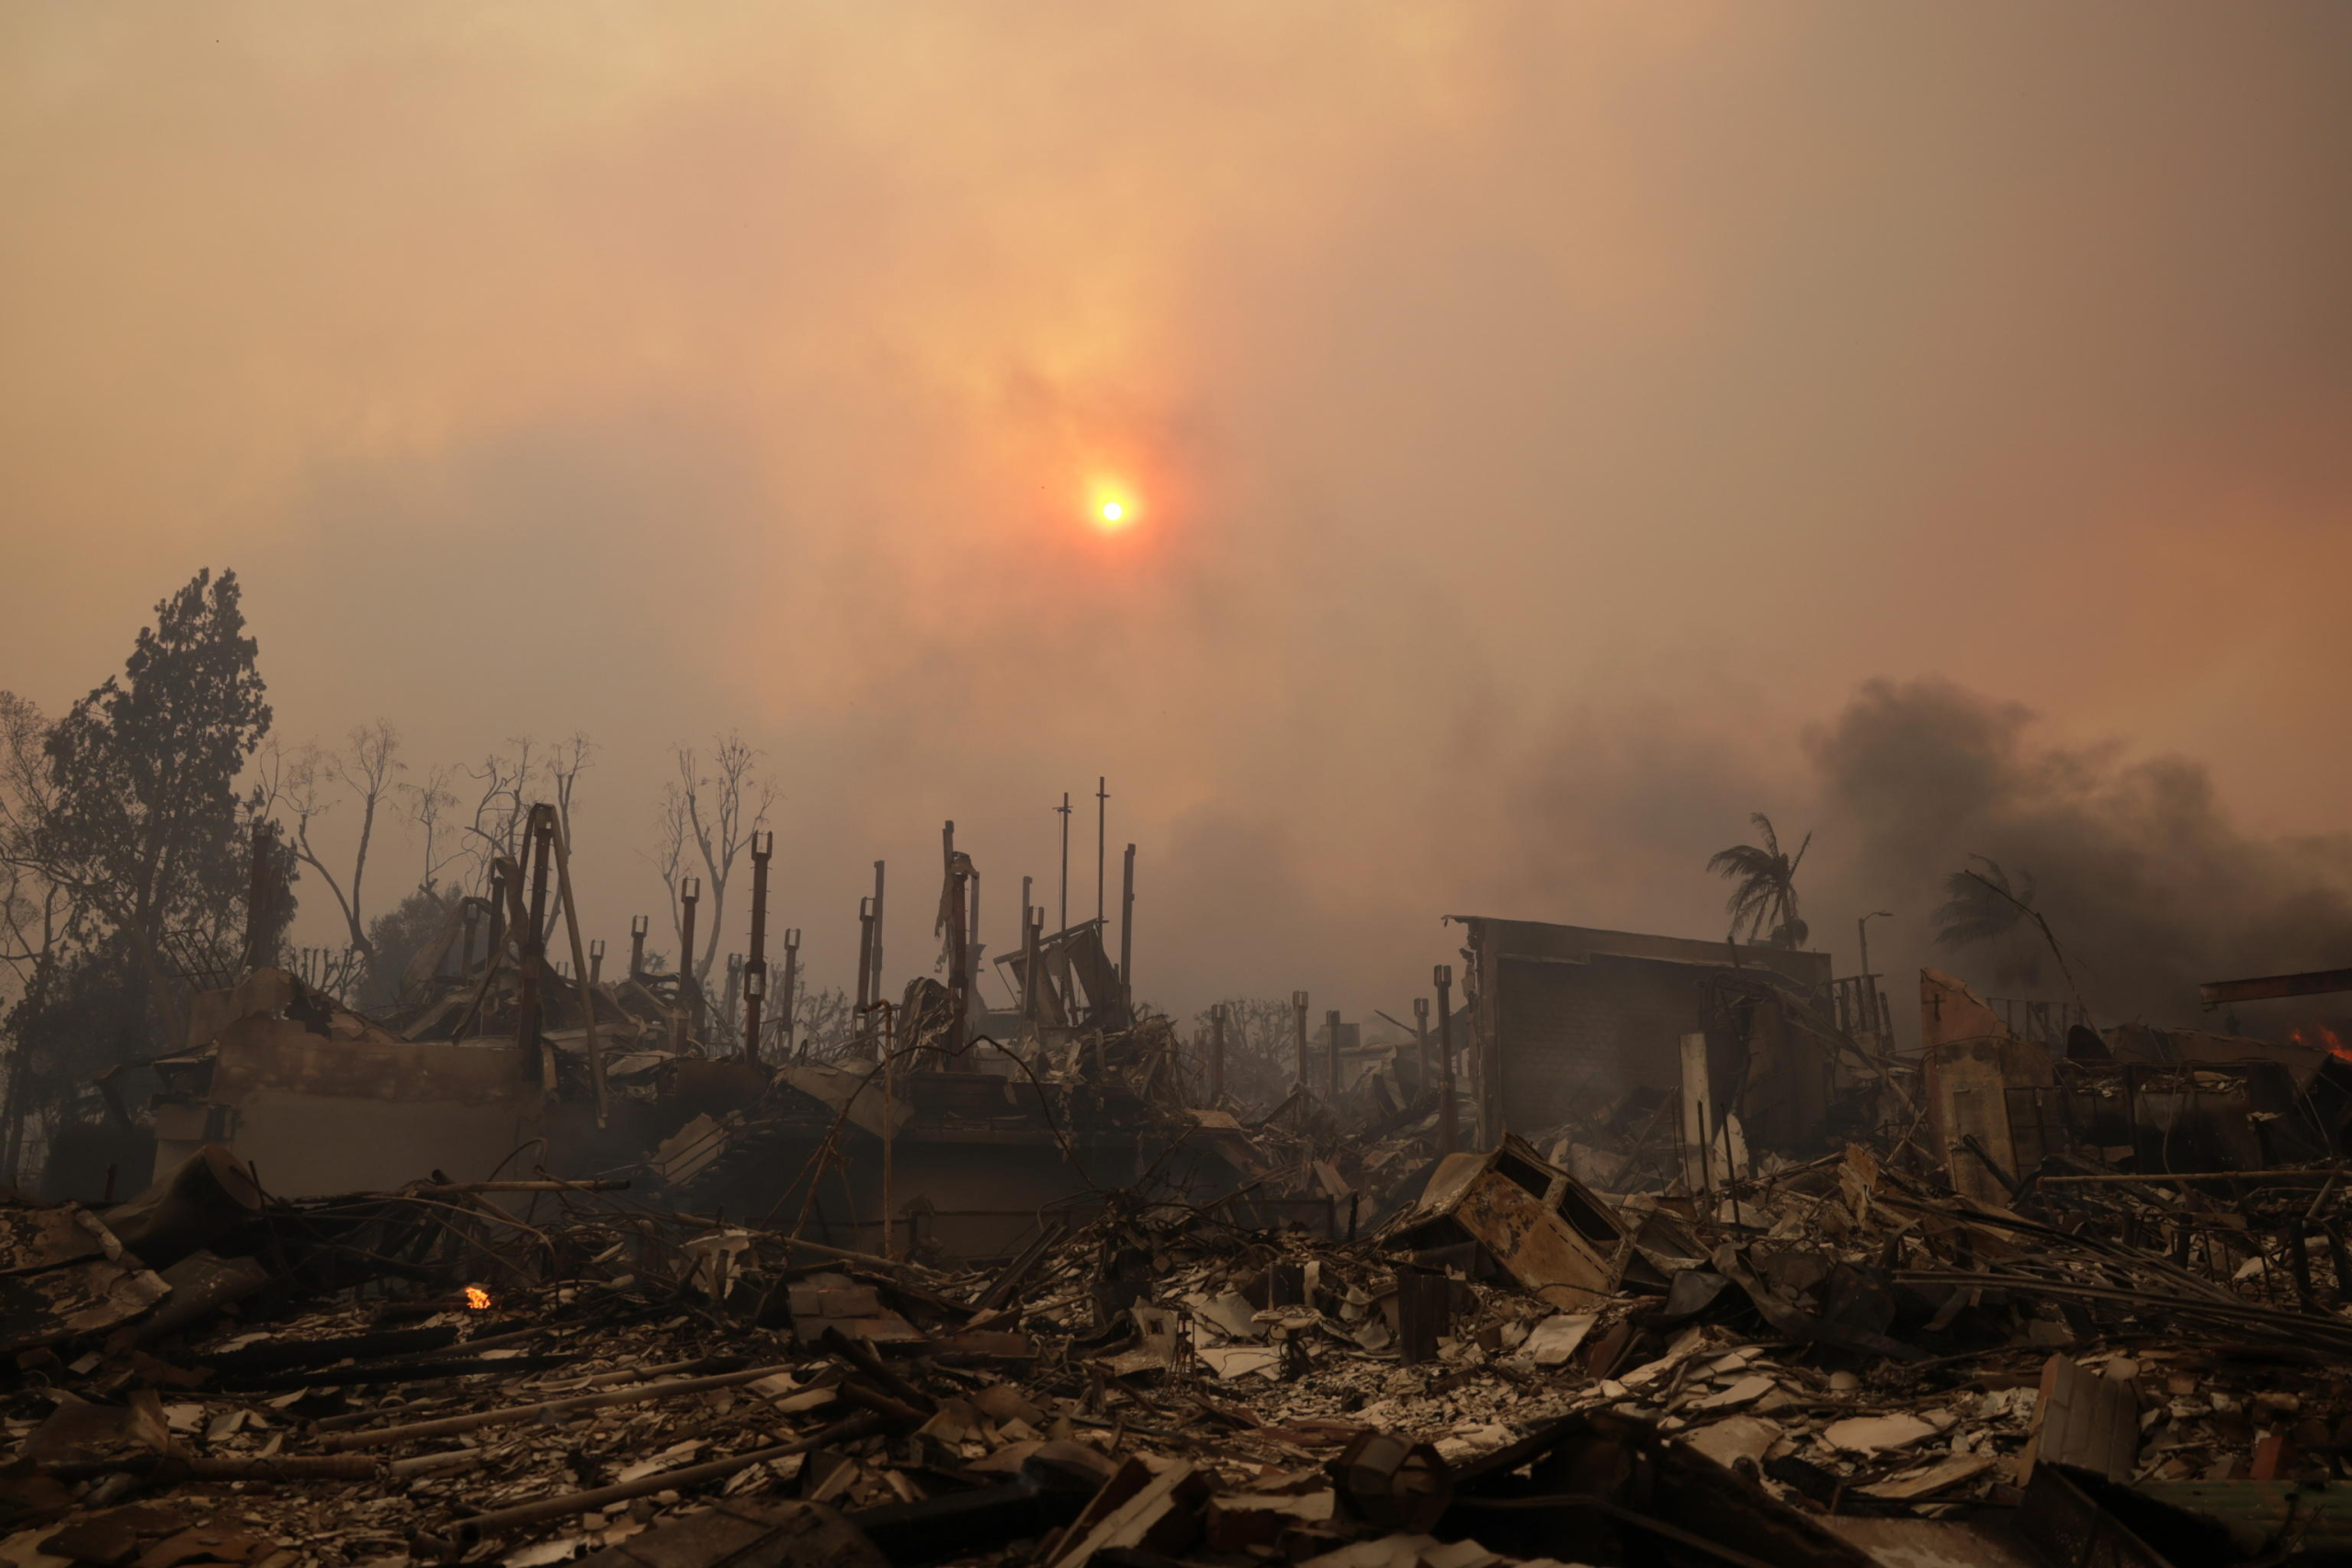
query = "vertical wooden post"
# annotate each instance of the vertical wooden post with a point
(1031, 947)
(1299, 1022)
(755, 966)
(580, 964)
(1127, 939)
(881, 983)
(864, 956)
(1102, 841)
(790, 1002)
(689, 997)
(1446, 1130)
(537, 831)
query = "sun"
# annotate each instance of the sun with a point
(1112, 510)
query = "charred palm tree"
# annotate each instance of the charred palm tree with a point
(1764, 892)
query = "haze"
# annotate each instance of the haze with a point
(1539, 420)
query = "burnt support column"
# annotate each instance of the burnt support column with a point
(538, 837)
(755, 967)
(689, 997)
(865, 957)
(1127, 938)
(1331, 1023)
(881, 985)
(788, 1003)
(1446, 1131)
(1299, 1022)
(638, 925)
(596, 962)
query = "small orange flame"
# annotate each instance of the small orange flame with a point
(2317, 1036)
(477, 1298)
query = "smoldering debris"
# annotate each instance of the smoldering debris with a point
(1030, 1286)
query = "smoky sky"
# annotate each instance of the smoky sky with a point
(1538, 421)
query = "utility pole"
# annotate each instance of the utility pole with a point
(1443, 977)
(1331, 1023)
(1102, 841)
(1216, 1056)
(638, 925)
(791, 988)
(1127, 939)
(1421, 1035)
(755, 967)
(689, 998)
(1298, 1021)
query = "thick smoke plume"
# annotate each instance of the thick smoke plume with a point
(2148, 883)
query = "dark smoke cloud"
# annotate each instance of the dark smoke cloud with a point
(2149, 884)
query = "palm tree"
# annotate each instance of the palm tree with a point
(1764, 894)
(1985, 907)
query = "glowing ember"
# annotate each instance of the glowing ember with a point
(477, 1298)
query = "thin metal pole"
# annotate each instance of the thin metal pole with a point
(1446, 1130)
